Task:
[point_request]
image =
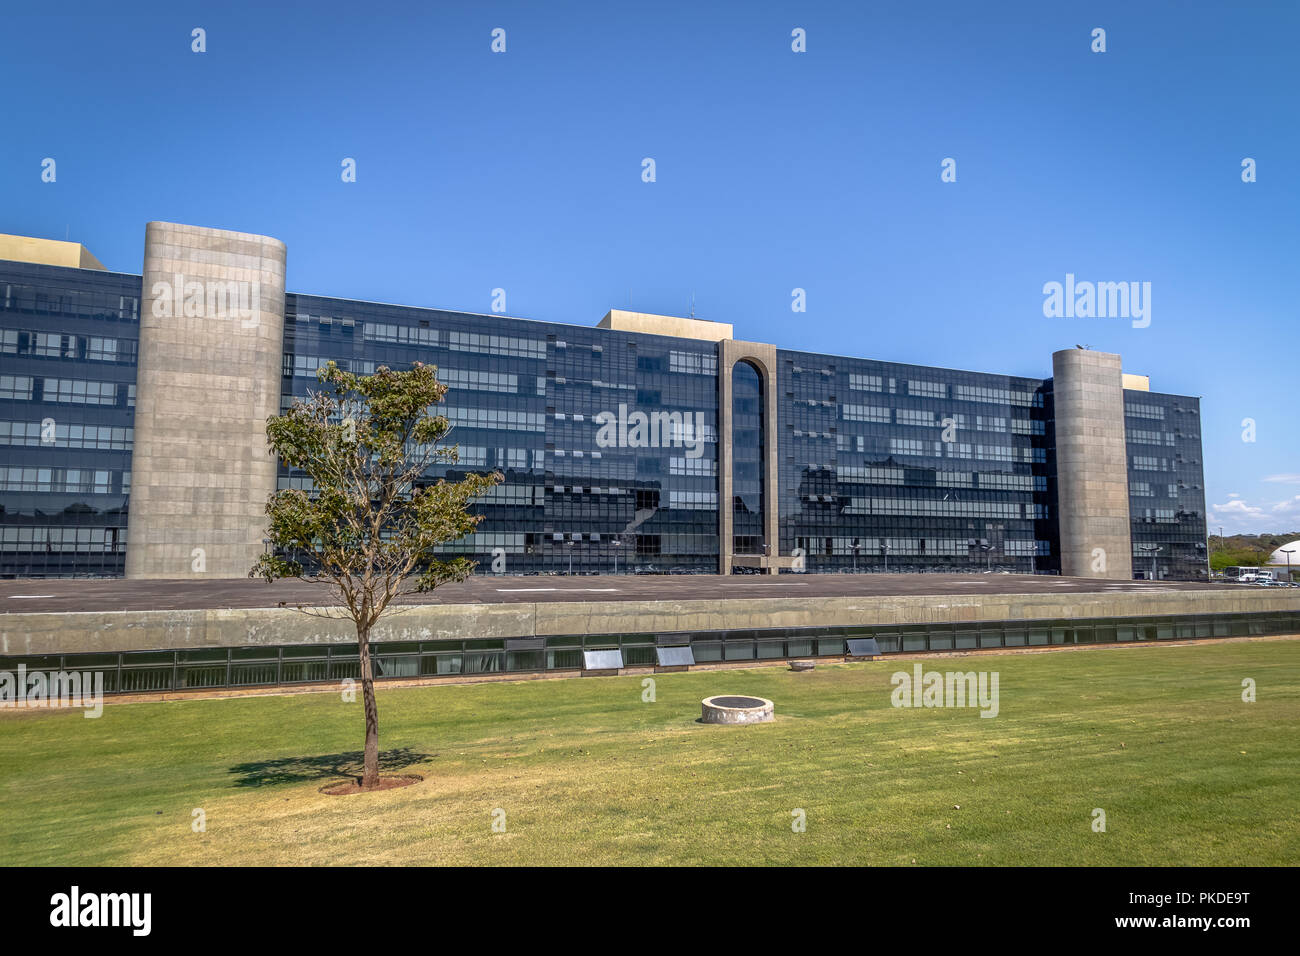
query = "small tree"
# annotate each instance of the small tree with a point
(371, 523)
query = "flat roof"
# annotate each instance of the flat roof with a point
(48, 252)
(36, 595)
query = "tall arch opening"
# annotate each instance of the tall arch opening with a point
(748, 459)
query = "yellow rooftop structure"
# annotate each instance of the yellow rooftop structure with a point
(673, 325)
(48, 252)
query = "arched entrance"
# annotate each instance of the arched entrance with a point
(747, 458)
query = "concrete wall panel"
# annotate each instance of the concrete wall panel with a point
(208, 379)
(1091, 464)
(91, 632)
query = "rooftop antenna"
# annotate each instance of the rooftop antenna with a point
(692, 303)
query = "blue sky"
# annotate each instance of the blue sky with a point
(775, 170)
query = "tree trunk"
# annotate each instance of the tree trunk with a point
(370, 777)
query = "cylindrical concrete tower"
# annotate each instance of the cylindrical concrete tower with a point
(211, 341)
(1091, 465)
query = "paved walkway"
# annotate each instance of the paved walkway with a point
(33, 595)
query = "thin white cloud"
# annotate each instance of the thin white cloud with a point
(1238, 509)
(1238, 517)
(1286, 479)
(1289, 507)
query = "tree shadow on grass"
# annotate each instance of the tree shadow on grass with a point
(264, 773)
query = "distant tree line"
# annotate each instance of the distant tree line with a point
(1246, 550)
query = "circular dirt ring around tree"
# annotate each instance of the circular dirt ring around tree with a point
(346, 788)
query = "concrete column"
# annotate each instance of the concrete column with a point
(1091, 465)
(211, 341)
(762, 357)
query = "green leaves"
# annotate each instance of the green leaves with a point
(371, 521)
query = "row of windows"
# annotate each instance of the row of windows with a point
(301, 482)
(865, 383)
(1005, 482)
(943, 479)
(485, 542)
(592, 537)
(66, 436)
(85, 393)
(848, 474)
(1134, 410)
(483, 457)
(885, 415)
(63, 480)
(91, 348)
(692, 363)
(594, 383)
(610, 469)
(1157, 515)
(422, 335)
(876, 382)
(399, 334)
(306, 366)
(479, 381)
(521, 495)
(42, 300)
(497, 345)
(870, 475)
(871, 382)
(693, 467)
(576, 453)
(497, 418)
(593, 490)
(1144, 489)
(998, 396)
(62, 539)
(706, 500)
(866, 413)
(1144, 437)
(941, 449)
(65, 390)
(918, 547)
(914, 416)
(927, 389)
(1148, 463)
(952, 508)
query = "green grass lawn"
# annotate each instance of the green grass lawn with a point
(587, 773)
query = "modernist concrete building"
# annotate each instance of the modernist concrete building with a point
(132, 411)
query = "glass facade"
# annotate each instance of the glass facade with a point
(1166, 485)
(67, 405)
(608, 442)
(912, 468)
